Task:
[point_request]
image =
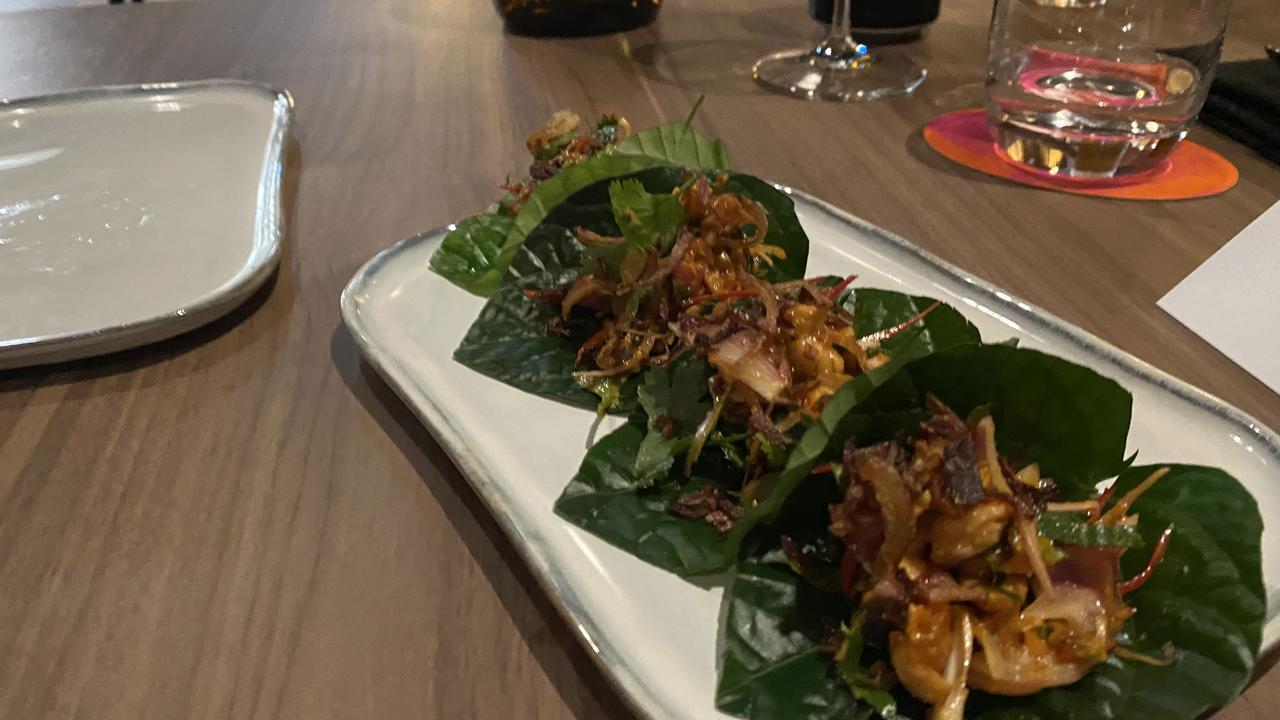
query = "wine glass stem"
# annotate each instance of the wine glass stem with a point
(839, 45)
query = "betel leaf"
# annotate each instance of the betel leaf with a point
(675, 400)
(771, 665)
(678, 144)
(1206, 600)
(604, 499)
(665, 145)
(1075, 529)
(1068, 418)
(942, 328)
(476, 241)
(509, 340)
(874, 310)
(784, 227)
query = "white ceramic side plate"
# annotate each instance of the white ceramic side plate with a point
(654, 634)
(131, 214)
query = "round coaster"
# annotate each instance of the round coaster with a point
(1191, 170)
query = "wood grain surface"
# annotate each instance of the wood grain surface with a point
(246, 523)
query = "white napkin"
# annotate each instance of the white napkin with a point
(1233, 299)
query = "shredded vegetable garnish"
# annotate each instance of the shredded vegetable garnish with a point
(688, 274)
(942, 542)
(1121, 508)
(1085, 506)
(1125, 653)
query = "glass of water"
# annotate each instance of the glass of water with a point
(1099, 88)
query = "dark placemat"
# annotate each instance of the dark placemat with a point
(1244, 105)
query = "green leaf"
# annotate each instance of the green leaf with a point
(770, 663)
(662, 146)
(646, 220)
(675, 400)
(678, 392)
(784, 227)
(605, 500)
(1068, 418)
(474, 242)
(860, 682)
(677, 144)
(1206, 599)
(878, 309)
(1074, 529)
(509, 340)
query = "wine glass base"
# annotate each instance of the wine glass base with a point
(805, 74)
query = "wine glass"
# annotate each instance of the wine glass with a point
(838, 68)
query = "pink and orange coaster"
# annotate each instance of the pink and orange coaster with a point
(1191, 170)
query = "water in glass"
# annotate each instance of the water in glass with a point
(1100, 90)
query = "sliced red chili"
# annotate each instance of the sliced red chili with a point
(1096, 515)
(848, 567)
(841, 287)
(1157, 556)
(882, 335)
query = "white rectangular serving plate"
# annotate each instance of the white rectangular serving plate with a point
(652, 633)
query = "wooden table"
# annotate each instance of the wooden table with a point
(245, 523)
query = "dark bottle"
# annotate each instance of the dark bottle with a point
(566, 18)
(883, 20)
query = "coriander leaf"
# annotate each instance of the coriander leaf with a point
(678, 391)
(675, 400)
(646, 220)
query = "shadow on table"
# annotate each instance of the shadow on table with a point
(719, 67)
(565, 662)
(919, 150)
(722, 66)
(122, 361)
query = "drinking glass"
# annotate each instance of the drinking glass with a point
(838, 68)
(1099, 88)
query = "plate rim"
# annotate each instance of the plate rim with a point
(637, 694)
(268, 225)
